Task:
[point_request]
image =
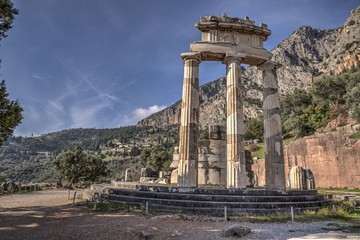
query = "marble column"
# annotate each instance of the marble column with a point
(189, 132)
(273, 144)
(236, 174)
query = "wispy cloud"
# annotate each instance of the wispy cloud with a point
(141, 113)
(36, 76)
(87, 115)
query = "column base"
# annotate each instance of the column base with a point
(187, 174)
(236, 175)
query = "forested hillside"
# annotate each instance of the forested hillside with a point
(28, 159)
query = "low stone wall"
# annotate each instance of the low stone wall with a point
(333, 158)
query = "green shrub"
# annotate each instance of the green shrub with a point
(355, 135)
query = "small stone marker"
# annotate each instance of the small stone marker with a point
(236, 230)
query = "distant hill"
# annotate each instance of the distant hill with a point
(305, 54)
(26, 159)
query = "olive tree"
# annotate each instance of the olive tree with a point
(78, 165)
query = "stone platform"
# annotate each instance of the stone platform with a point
(209, 201)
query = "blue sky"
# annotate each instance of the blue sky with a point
(109, 63)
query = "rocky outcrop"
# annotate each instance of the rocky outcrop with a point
(305, 54)
(309, 52)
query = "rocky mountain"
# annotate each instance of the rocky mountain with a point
(305, 54)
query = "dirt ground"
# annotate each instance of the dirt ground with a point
(50, 215)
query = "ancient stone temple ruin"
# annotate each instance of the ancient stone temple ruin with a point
(220, 160)
(232, 41)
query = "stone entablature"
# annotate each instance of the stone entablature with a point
(225, 35)
(214, 25)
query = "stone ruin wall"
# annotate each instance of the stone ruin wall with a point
(212, 162)
(211, 165)
(332, 157)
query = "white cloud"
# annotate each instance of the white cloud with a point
(37, 76)
(141, 113)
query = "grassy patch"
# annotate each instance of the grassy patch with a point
(343, 212)
(22, 192)
(355, 135)
(339, 191)
(260, 152)
(327, 213)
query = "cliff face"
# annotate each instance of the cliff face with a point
(309, 52)
(305, 54)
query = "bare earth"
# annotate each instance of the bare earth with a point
(50, 215)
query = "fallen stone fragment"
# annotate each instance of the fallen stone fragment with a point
(175, 233)
(146, 235)
(236, 230)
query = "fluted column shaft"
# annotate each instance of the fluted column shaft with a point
(236, 173)
(274, 152)
(189, 132)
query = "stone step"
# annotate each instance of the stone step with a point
(215, 198)
(222, 191)
(210, 204)
(212, 201)
(209, 211)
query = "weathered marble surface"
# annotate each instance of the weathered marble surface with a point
(274, 152)
(189, 129)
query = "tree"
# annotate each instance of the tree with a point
(10, 114)
(7, 16)
(329, 89)
(254, 128)
(353, 102)
(10, 111)
(157, 158)
(78, 165)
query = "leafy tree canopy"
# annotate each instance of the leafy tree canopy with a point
(10, 111)
(254, 128)
(7, 16)
(10, 114)
(329, 97)
(157, 158)
(78, 165)
(329, 89)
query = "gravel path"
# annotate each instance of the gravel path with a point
(49, 215)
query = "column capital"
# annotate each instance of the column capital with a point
(269, 65)
(233, 57)
(196, 56)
